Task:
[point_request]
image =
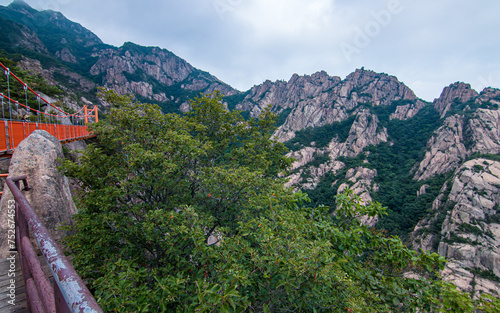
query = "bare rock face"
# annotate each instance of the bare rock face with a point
(50, 196)
(65, 55)
(130, 68)
(309, 176)
(484, 132)
(34, 66)
(469, 236)
(284, 95)
(320, 99)
(460, 137)
(460, 91)
(365, 131)
(445, 149)
(404, 112)
(30, 41)
(360, 181)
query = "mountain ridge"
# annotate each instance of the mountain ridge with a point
(65, 45)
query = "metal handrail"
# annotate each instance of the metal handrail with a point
(15, 131)
(68, 293)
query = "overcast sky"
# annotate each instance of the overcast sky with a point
(427, 44)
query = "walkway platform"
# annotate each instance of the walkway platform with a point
(20, 304)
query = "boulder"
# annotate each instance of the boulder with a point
(38, 157)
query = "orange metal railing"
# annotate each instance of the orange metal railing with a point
(13, 132)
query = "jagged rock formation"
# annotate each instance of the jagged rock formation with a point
(404, 112)
(76, 58)
(129, 68)
(468, 227)
(445, 150)
(333, 100)
(461, 91)
(462, 134)
(285, 95)
(364, 131)
(484, 132)
(470, 125)
(37, 157)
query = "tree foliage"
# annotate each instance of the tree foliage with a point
(188, 213)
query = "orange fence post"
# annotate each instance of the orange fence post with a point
(86, 111)
(4, 143)
(17, 133)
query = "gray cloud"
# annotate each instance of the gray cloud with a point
(426, 44)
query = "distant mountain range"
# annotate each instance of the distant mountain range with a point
(436, 166)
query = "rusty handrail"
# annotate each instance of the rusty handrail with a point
(69, 293)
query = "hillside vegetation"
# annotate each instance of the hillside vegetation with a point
(188, 213)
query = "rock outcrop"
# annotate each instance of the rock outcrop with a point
(364, 131)
(320, 99)
(360, 181)
(404, 112)
(475, 130)
(37, 157)
(445, 150)
(484, 132)
(465, 227)
(148, 71)
(455, 92)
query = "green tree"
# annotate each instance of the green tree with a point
(188, 213)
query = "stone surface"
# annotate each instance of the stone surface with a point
(74, 149)
(145, 64)
(404, 112)
(320, 99)
(460, 137)
(37, 157)
(364, 131)
(484, 132)
(360, 181)
(469, 236)
(460, 91)
(445, 149)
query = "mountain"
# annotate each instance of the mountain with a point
(435, 166)
(72, 56)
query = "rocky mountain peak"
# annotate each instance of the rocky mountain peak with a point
(381, 88)
(489, 95)
(286, 94)
(320, 99)
(458, 91)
